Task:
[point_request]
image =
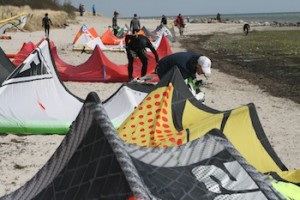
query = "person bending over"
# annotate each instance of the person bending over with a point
(136, 47)
(188, 63)
(246, 28)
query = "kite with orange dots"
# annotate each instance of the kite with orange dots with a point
(170, 116)
(157, 122)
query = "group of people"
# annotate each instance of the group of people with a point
(188, 63)
(135, 24)
(178, 22)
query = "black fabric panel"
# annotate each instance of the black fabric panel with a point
(95, 177)
(84, 166)
(6, 66)
(179, 182)
(263, 138)
(224, 120)
(35, 69)
(201, 169)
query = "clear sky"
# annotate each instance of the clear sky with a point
(146, 8)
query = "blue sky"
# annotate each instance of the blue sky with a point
(145, 8)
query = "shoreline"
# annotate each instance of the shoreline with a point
(252, 18)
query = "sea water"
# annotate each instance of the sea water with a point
(281, 17)
(287, 17)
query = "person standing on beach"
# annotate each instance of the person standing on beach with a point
(81, 9)
(135, 25)
(94, 10)
(179, 22)
(136, 47)
(163, 20)
(46, 22)
(115, 23)
(219, 17)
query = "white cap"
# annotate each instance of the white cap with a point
(205, 65)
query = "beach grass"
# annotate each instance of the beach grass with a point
(270, 59)
(35, 16)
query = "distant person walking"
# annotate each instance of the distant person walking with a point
(115, 23)
(46, 22)
(179, 22)
(219, 17)
(163, 20)
(135, 25)
(94, 10)
(81, 9)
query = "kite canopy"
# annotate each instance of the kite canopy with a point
(108, 38)
(33, 100)
(166, 30)
(127, 97)
(93, 163)
(98, 68)
(171, 116)
(25, 50)
(17, 21)
(87, 39)
(23, 53)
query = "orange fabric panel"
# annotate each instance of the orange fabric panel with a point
(151, 124)
(108, 38)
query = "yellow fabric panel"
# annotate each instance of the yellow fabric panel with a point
(291, 175)
(151, 124)
(12, 18)
(241, 134)
(199, 122)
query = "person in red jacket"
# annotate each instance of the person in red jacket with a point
(179, 22)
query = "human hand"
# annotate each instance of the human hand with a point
(199, 83)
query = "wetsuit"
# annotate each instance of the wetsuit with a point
(136, 47)
(115, 25)
(185, 61)
(46, 24)
(164, 21)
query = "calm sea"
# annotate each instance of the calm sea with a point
(292, 17)
(288, 17)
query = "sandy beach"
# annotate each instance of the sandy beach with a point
(22, 156)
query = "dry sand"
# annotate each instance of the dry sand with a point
(22, 156)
